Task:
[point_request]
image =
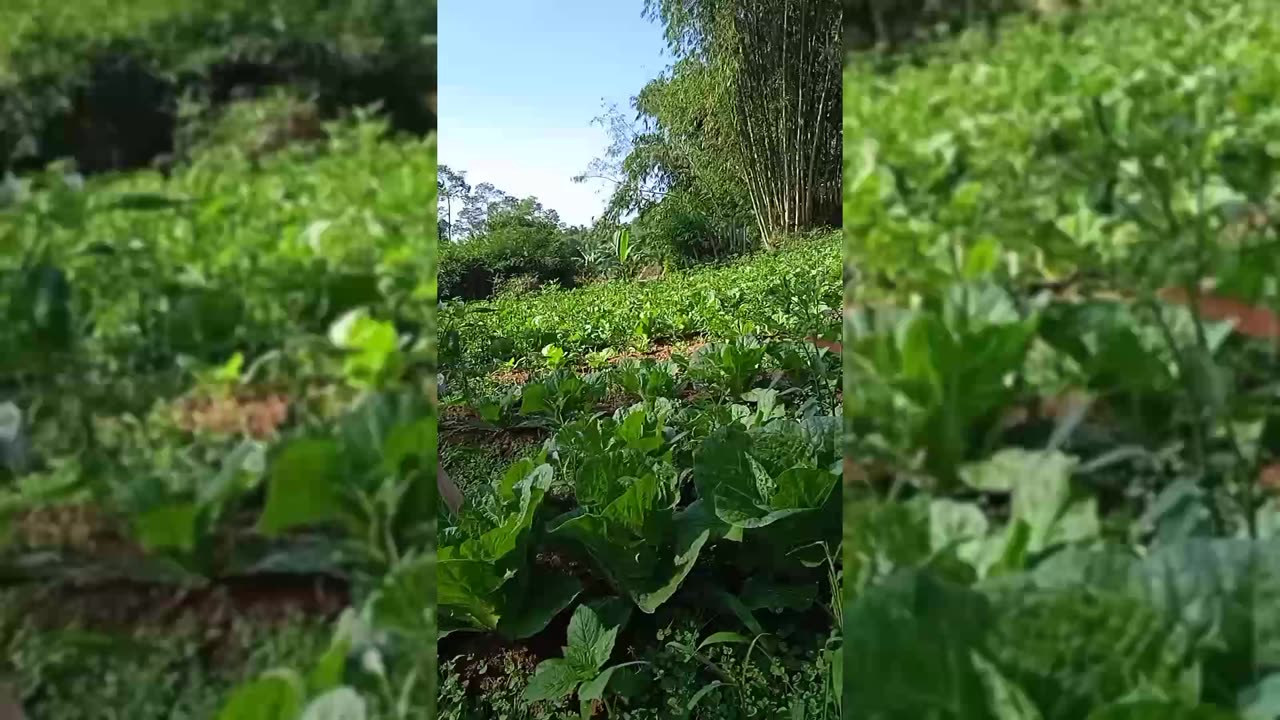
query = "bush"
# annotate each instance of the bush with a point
(518, 285)
(135, 275)
(906, 23)
(475, 269)
(252, 127)
(689, 235)
(100, 80)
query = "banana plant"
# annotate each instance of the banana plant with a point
(622, 245)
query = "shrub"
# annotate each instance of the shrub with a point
(99, 80)
(253, 127)
(517, 285)
(689, 234)
(909, 22)
(474, 269)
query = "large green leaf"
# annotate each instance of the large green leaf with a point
(935, 379)
(403, 602)
(1222, 592)
(302, 487)
(909, 645)
(1261, 701)
(752, 502)
(468, 593)
(373, 347)
(1042, 495)
(481, 573)
(929, 648)
(1226, 593)
(881, 538)
(750, 486)
(546, 594)
(590, 641)
(637, 542)
(385, 430)
(167, 527)
(1075, 649)
(552, 680)
(277, 695)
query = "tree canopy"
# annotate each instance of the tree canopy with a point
(745, 123)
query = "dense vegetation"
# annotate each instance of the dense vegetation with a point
(741, 133)
(1060, 369)
(494, 242)
(115, 84)
(217, 421)
(642, 413)
(732, 148)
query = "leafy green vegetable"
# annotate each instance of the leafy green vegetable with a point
(483, 570)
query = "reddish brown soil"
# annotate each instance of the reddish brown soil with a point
(833, 346)
(129, 607)
(510, 377)
(459, 412)
(660, 351)
(1250, 320)
(249, 414)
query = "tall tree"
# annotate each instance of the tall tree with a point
(477, 206)
(678, 142)
(453, 188)
(485, 207)
(778, 62)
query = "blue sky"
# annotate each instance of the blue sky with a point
(520, 83)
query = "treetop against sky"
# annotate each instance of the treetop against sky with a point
(520, 84)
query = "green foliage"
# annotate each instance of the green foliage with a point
(692, 230)
(936, 378)
(278, 267)
(1069, 119)
(1106, 623)
(745, 685)
(764, 104)
(900, 26)
(350, 677)
(100, 81)
(672, 166)
(582, 669)
(1017, 550)
(720, 302)
(750, 484)
(485, 573)
(474, 269)
(627, 509)
(154, 674)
